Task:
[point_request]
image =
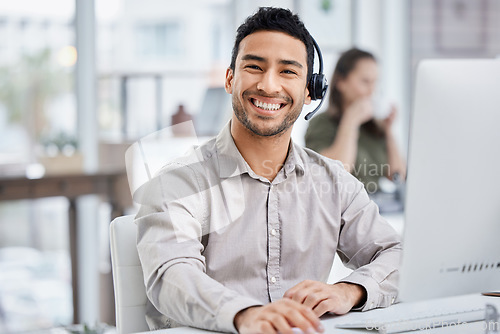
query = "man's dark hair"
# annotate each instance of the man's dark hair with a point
(275, 19)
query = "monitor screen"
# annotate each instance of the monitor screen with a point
(452, 215)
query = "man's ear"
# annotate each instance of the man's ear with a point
(228, 85)
(307, 99)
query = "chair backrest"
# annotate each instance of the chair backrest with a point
(128, 280)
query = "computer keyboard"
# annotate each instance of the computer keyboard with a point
(418, 321)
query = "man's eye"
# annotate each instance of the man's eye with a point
(289, 72)
(253, 67)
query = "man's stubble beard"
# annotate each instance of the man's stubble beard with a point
(242, 116)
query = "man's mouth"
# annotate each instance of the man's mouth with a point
(267, 106)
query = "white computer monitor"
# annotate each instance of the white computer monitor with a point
(452, 210)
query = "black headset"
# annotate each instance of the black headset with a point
(318, 84)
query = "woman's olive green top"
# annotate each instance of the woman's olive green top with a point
(371, 159)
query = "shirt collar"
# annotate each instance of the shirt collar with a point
(293, 160)
(232, 163)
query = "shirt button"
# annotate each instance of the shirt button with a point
(273, 279)
(273, 232)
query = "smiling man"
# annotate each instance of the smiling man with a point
(240, 234)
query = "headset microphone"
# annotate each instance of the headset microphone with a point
(317, 84)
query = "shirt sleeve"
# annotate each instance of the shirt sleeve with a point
(320, 133)
(170, 233)
(370, 246)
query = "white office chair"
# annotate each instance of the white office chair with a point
(128, 281)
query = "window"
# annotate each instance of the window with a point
(157, 41)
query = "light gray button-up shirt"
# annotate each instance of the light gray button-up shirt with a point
(215, 238)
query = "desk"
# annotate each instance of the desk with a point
(112, 184)
(329, 321)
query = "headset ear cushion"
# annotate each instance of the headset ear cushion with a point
(312, 87)
(317, 86)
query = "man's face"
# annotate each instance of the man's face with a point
(268, 83)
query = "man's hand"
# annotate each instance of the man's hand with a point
(277, 317)
(338, 298)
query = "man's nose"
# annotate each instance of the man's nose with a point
(269, 82)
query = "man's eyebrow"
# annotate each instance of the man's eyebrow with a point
(291, 62)
(253, 57)
(262, 59)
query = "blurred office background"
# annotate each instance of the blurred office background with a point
(81, 80)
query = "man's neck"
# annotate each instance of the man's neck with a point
(265, 155)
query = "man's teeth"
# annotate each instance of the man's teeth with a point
(266, 106)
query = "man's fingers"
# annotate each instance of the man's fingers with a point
(306, 320)
(282, 316)
(266, 327)
(293, 290)
(300, 291)
(308, 293)
(302, 317)
(314, 298)
(322, 298)
(313, 319)
(299, 296)
(278, 317)
(298, 318)
(324, 306)
(334, 306)
(281, 324)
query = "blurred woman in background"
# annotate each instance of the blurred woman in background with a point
(348, 131)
